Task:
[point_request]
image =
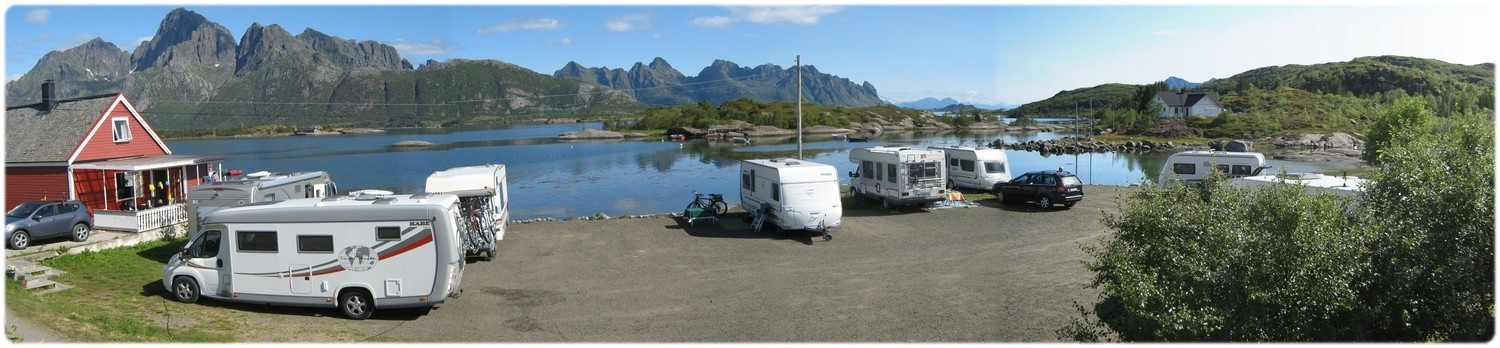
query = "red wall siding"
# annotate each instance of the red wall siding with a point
(103, 145)
(91, 187)
(34, 183)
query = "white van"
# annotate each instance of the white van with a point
(793, 194)
(898, 176)
(975, 168)
(1194, 166)
(255, 187)
(354, 254)
(483, 202)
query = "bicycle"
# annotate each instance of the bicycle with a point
(712, 203)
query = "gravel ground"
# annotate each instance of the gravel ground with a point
(986, 274)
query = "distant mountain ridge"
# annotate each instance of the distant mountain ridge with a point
(928, 103)
(193, 74)
(1174, 82)
(1363, 77)
(658, 83)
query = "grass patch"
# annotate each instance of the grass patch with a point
(117, 297)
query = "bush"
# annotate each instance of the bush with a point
(1414, 262)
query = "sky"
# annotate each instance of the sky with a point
(989, 54)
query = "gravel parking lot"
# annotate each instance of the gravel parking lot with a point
(985, 274)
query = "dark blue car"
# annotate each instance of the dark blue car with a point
(1045, 187)
(47, 219)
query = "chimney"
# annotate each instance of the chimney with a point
(49, 95)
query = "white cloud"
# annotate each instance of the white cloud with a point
(713, 21)
(437, 46)
(1169, 32)
(39, 16)
(522, 24)
(564, 42)
(799, 15)
(802, 15)
(629, 23)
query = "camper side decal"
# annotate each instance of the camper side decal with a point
(358, 258)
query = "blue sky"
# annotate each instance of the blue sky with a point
(983, 54)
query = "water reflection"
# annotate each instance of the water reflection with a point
(561, 179)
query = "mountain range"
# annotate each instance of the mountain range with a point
(930, 103)
(658, 83)
(1174, 82)
(193, 74)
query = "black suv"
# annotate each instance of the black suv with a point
(1043, 187)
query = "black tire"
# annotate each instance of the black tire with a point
(81, 232)
(720, 207)
(18, 240)
(695, 204)
(489, 255)
(1069, 204)
(1044, 202)
(184, 289)
(887, 204)
(356, 304)
(1000, 196)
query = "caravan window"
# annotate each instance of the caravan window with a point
(867, 170)
(1223, 168)
(890, 173)
(776, 192)
(927, 170)
(1241, 170)
(747, 180)
(256, 241)
(1184, 168)
(953, 162)
(388, 233)
(314, 244)
(994, 167)
(966, 165)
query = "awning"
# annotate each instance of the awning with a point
(148, 163)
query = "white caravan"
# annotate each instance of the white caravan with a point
(791, 193)
(354, 254)
(1344, 186)
(898, 176)
(255, 187)
(975, 168)
(1194, 166)
(483, 202)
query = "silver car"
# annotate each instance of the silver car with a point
(47, 219)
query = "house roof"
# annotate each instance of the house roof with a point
(35, 136)
(1174, 99)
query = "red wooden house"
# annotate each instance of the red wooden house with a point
(100, 151)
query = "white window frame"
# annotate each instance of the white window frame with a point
(121, 134)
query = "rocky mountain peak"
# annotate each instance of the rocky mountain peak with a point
(185, 38)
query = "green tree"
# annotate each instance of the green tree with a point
(1401, 122)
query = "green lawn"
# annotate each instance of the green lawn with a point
(117, 296)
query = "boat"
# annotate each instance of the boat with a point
(857, 140)
(740, 140)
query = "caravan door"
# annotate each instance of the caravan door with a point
(207, 257)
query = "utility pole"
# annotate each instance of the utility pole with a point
(799, 106)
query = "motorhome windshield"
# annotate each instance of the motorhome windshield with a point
(923, 171)
(994, 167)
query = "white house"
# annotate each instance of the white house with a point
(1181, 104)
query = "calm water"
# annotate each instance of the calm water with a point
(564, 179)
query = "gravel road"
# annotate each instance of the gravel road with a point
(986, 274)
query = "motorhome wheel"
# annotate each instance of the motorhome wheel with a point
(185, 290)
(887, 204)
(356, 304)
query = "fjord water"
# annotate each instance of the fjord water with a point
(565, 179)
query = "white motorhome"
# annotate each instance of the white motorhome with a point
(255, 187)
(975, 168)
(898, 176)
(1344, 186)
(793, 194)
(483, 201)
(1194, 166)
(357, 254)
